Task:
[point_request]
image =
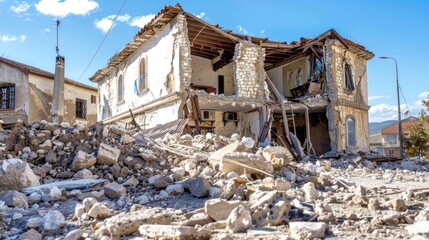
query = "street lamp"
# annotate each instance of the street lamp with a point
(401, 136)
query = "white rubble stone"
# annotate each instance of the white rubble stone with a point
(126, 139)
(79, 210)
(16, 174)
(100, 211)
(114, 190)
(84, 174)
(248, 142)
(153, 179)
(31, 234)
(107, 155)
(34, 222)
(175, 189)
(88, 203)
(34, 197)
(82, 160)
(220, 209)
(239, 220)
(53, 220)
(307, 230)
(310, 191)
(153, 231)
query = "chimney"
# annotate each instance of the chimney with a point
(57, 111)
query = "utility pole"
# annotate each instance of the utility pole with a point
(401, 135)
(57, 111)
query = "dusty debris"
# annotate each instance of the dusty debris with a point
(175, 187)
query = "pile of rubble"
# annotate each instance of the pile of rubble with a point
(74, 182)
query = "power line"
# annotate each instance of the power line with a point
(405, 100)
(99, 46)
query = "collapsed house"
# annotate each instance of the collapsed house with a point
(26, 94)
(181, 70)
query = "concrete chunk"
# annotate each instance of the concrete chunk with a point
(16, 174)
(114, 190)
(220, 209)
(107, 155)
(307, 230)
(173, 232)
(82, 160)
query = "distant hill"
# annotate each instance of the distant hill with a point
(375, 127)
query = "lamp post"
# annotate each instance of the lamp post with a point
(401, 136)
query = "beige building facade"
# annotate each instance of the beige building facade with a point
(26, 94)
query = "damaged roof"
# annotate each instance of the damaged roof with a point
(211, 41)
(37, 71)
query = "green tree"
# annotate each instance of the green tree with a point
(417, 143)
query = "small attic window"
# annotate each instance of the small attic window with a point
(348, 77)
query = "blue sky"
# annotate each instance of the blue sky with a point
(393, 28)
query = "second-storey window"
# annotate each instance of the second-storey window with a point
(348, 77)
(142, 81)
(80, 108)
(120, 89)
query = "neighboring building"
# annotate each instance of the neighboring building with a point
(26, 94)
(181, 67)
(387, 141)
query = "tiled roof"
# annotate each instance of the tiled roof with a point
(40, 72)
(394, 128)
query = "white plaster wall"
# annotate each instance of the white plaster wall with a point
(203, 74)
(71, 92)
(10, 74)
(160, 115)
(158, 52)
(276, 76)
(253, 119)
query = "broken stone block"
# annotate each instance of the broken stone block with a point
(53, 220)
(163, 182)
(16, 174)
(118, 130)
(51, 194)
(269, 208)
(175, 189)
(199, 187)
(310, 192)
(100, 211)
(14, 199)
(31, 235)
(79, 210)
(239, 220)
(307, 230)
(107, 155)
(34, 197)
(126, 139)
(281, 185)
(173, 232)
(423, 215)
(127, 223)
(88, 203)
(373, 204)
(278, 156)
(82, 160)
(398, 205)
(148, 156)
(220, 209)
(241, 162)
(35, 222)
(84, 174)
(114, 190)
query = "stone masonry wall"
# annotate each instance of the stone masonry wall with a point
(182, 51)
(249, 73)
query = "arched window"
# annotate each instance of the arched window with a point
(142, 84)
(120, 89)
(351, 131)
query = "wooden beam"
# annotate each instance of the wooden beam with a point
(225, 60)
(233, 39)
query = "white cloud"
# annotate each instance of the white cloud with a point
(371, 98)
(242, 30)
(58, 8)
(46, 30)
(12, 38)
(382, 112)
(141, 21)
(423, 95)
(105, 23)
(20, 8)
(262, 31)
(201, 15)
